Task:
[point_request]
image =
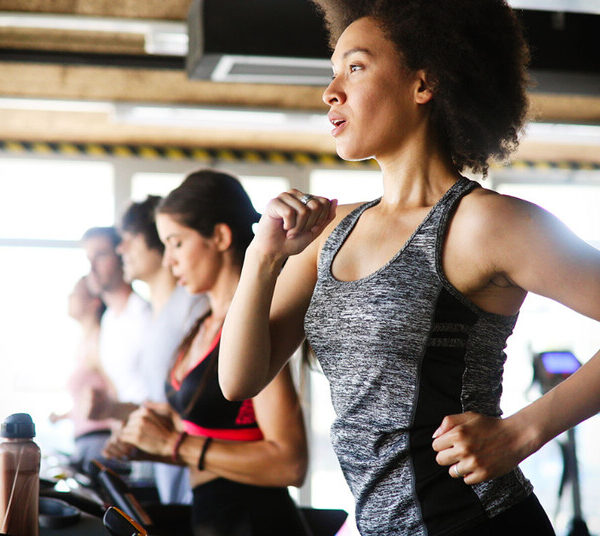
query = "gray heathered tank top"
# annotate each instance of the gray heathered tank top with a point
(402, 348)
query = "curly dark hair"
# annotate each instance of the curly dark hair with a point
(475, 56)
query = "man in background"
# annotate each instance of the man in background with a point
(126, 319)
(173, 311)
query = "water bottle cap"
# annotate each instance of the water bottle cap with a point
(18, 425)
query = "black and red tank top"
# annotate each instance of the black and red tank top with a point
(199, 401)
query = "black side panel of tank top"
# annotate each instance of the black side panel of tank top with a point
(444, 501)
(200, 399)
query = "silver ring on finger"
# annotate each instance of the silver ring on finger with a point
(306, 198)
(457, 472)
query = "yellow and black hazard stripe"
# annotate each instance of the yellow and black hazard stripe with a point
(147, 152)
(567, 165)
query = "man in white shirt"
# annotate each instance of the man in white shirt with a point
(126, 318)
(173, 312)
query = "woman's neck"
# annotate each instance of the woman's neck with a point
(417, 174)
(221, 293)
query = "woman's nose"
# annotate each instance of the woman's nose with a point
(333, 93)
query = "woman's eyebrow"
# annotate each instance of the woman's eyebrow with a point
(353, 51)
(356, 49)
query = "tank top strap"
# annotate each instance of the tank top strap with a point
(340, 233)
(430, 231)
(428, 237)
(449, 201)
(443, 210)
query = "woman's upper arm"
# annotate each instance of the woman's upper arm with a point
(538, 253)
(278, 410)
(279, 416)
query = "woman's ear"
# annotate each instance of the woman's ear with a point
(222, 236)
(424, 89)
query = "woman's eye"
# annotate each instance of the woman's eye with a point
(354, 68)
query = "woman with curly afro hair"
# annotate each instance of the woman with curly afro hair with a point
(408, 300)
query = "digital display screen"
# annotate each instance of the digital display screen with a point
(560, 362)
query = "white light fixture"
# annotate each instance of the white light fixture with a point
(576, 6)
(257, 119)
(57, 105)
(180, 116)
(563, 133)
(272, 70)
(161, 37)
(224, 118)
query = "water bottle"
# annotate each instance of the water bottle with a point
(19, 477)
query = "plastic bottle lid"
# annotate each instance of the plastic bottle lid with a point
(18, 425)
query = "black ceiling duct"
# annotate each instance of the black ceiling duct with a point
(565, 54)
(257, 41)
(284, 41)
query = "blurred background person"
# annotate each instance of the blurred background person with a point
(173, 311)
(125, 320)
(90, 435)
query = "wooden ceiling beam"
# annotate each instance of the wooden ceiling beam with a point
(170, 87)
(48, 126)
(91, 127)
(556, 152)
(138, 9)
(146, 85)
(562, 108)
(101, 128)
(50, 39)
(173, 87)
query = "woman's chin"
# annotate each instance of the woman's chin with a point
(352, 154)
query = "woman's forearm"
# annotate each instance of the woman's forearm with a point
(488, 447)
(245, 365)
(571, 402)
(122, 410)
(260, 463)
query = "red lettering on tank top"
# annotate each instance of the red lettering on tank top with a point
(246, 413)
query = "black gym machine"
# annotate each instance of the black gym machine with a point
(550, 369)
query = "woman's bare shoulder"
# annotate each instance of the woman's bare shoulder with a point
(488, 212)
(494, 231)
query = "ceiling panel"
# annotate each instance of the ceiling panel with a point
(151, 9)
(108, 56)
(46, 39)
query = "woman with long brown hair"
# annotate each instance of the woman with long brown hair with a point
(242, 455)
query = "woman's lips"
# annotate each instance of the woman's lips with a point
(338, 126)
